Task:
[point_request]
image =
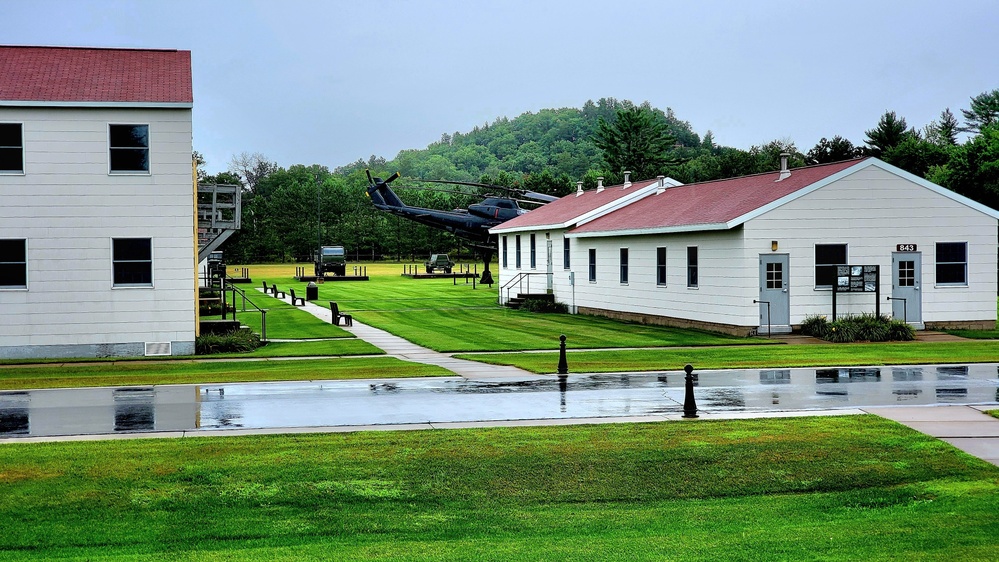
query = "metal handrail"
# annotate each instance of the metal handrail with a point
(263, 311)
(519, 279)
(227, 285)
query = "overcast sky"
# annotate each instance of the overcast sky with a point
(328, 82)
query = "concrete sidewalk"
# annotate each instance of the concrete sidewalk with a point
(966, 427)
(404, 349)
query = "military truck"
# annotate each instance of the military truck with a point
(331, 259)
(439, 261)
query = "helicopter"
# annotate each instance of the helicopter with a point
(471, 224)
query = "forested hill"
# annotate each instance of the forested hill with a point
(287, 212)
(548, 150)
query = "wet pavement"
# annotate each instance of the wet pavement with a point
(946, 401)
(213, 409)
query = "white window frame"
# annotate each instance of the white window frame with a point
(151, 260)
(24, 287)
(937, 263)
(623, 260)
(20, 147)
(149, 155)
(693, 268)
(816, 264)
(661, 265)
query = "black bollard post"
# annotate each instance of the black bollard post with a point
(563, 365)
(689, 406)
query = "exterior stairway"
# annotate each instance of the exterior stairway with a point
(517, 301)
(219, 213)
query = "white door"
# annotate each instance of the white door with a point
(775, 303)
(906, 284)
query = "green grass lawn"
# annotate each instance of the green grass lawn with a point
(126, 373)
(444, 316)
(845, 488)
(844, 355)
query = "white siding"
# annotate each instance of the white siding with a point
(720, 296)
(68, 207)
(872, 211)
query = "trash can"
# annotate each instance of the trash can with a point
(311, 291)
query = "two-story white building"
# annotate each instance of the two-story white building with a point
(762, 253)
(97, 203)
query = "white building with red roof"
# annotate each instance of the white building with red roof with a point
(97, 202)
(761, 253)
(528, 243)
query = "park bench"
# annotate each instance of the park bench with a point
(267, 290)
(276, 292)
(348, 320)
(295, 300)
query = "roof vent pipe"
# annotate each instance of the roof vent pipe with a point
(600, 184)
(784, 172)
(627, 180)
(579, 188)
(660, 184)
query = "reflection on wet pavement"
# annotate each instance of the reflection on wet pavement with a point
(438, 400)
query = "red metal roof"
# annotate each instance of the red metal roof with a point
(710, 203)
(571, 207)
(90, 75)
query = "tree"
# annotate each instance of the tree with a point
(973, 168)
(984, 111)
(835, 150)
(916, 155)
(890, 132)
(943, 132)
(251, 168)
(635, 141)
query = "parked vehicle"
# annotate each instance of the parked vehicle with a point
(439, 261)
(331, 259)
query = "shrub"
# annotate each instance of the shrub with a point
(237, 341)
(815, 326)
(544, 305)
(865, 327)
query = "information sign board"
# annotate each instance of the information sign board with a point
(856, 278)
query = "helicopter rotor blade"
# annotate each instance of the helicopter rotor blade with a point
(521, 192)
(371, 181)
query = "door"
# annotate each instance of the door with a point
(775, 304)
(906, 281)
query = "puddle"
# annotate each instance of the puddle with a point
(435, 400)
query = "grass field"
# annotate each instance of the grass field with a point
(839, 488)
(448, 317)
(742, 357)
(846, 488)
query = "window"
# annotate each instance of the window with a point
(827, 257)
(516, 249)
(13, 264)
(775, 275)
(534, 253)
(691, 266)
(565, 253)
(952, 263)
(11, 148)
(504, 252)
(624, 265)
(132, 261)
(661, 266)
(593, 264)
(129, 146)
